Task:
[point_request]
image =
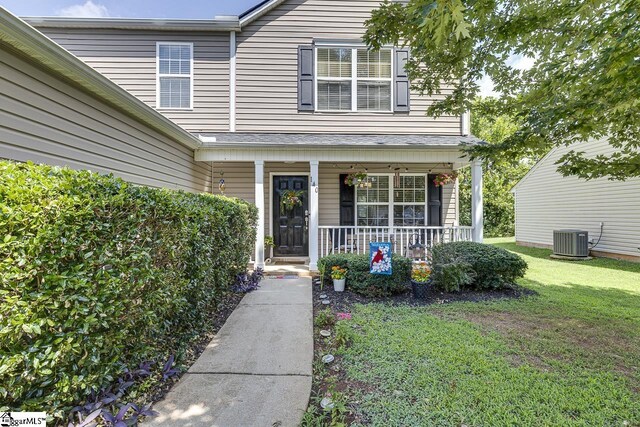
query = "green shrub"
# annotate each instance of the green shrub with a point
(453, 276)
(97, 274)
(359, 279)
(489, 267)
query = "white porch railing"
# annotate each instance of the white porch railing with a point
(354, 239)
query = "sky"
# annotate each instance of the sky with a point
(196, 9)
(191, 9)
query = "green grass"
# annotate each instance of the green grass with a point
(569, 356)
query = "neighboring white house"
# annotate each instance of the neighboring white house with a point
(547, 201)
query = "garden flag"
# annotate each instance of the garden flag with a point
(380, 258)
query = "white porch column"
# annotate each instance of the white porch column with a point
(313, 216)
(477, 209)
(259, 180)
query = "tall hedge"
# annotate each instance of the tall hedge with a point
(97, 274)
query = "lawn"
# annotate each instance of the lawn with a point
(569, 355)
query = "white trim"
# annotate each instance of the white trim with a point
(477, 208)
(354, 47)
(259, 201)
(465, 123)
(329, 154)
(219, 23)
(190, 76)
(232, 81)
(392, 202)
(271, 191)
(245, 20)
(314, 214)
(60, 62)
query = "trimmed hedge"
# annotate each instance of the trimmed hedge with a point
(359, 279)
(97, 274)
(475, 265)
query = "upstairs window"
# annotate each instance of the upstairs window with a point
(353, 79)
(174, 76)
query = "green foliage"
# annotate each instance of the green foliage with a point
(325, 264)
(483, 266)
(324, 318)
(453, 276)
(584, 83)
(565, 357)
(359, 279)
(97, 275)
(500, 175)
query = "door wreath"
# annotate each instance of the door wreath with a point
(290, 199)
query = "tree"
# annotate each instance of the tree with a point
(499, 175)
(585, 81)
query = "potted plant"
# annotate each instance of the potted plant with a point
(420, 274)
(445, 178)
(339, 276)
(268, 244)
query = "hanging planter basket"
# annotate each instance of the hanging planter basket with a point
(445, 178)
(290, 199)
(356, 179)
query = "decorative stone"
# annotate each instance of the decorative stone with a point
(325, 333)
(323, 296)
(327, 403)
(328, 358)
(326, 302)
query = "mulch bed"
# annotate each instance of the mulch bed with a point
(343, 301)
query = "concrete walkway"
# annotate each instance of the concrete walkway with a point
(256, 371)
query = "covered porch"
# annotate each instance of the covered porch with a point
(314, 200)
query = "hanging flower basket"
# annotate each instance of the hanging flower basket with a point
(290, 199)
(354, 179)
(445, 178)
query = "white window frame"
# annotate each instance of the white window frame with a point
(392, 202)
(353, 79)
(158, 76)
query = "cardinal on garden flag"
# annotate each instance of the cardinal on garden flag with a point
(377, 257)
(380, 258)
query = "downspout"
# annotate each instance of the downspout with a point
(232, 81)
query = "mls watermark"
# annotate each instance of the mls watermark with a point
(23, 419)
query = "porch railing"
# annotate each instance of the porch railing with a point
(355, 239)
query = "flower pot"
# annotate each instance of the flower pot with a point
(338, 285)
(420, 290)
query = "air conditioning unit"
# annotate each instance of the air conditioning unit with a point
(571, 243)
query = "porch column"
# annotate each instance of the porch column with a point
(313, 216)
(477, 210)
(259, 180)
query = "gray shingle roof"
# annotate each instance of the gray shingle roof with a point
(335, 140)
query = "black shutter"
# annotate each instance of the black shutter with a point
(305, 78)
(434, 202)
(401, 98)
(347, 202)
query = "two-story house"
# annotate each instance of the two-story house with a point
(283, 106)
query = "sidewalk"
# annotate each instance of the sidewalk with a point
(257, 369)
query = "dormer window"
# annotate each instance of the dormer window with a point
(174, 76)
(353, 79)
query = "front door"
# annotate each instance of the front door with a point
(290, 207)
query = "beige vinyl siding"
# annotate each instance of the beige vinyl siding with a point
(240, 182)
(128, 57)
(546, 201)
(267, 73)
(46, 120)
